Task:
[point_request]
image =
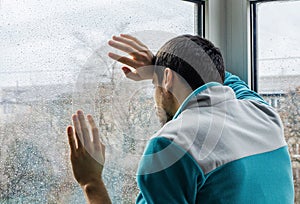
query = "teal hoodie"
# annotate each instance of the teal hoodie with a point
(225, 144)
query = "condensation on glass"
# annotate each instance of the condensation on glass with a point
(54, 60)
(278, 34)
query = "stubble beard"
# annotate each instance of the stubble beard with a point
(164, 105)
(163, 116)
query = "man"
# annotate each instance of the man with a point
(220, 142)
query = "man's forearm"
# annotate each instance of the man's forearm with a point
(96, 193)
(241, 89)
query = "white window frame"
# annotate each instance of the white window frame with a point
(227, 25)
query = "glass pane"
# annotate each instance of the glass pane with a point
(279, 69)
(54, 60)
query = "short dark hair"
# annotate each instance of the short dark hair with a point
(194, 58)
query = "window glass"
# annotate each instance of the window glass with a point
(278, 41)
(54, 60)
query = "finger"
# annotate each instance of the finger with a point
(134, 39)
(136, 54)
(125, 60)
(95, 130)
(98, 145)
(149, 53)
(78, 132)
(131, 43)
(72, 143)
(126, 70)
(84, 129)
(123, 47)
(131, 75)
(103, 150)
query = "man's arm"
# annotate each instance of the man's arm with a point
(96, 193)
(168, 174)
(87, 158)
(241, 89)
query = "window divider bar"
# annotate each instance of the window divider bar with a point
(253, 23)
(199, 17)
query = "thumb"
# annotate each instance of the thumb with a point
(131, 75)
(126, 70)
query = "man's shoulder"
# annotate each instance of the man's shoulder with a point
(186, 122)
(230, 130)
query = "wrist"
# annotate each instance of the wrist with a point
(96, 193)
(92, 187)
(92, 183)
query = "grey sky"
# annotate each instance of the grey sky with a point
(278, 38)
(47, 41)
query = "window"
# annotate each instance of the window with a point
(199, 16)
(53, 61)
(276, 66)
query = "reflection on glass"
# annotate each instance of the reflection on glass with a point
(53, 61)
(279, 70)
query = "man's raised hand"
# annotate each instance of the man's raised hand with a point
(87, 158)
(87, 152)
(140, 57)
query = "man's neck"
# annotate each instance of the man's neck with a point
(181, 96)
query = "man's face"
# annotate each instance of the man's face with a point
(165, 102)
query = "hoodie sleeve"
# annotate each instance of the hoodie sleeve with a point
(167, 174)
(241, 89)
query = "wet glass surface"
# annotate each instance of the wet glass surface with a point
(53, 61)
(279, 70)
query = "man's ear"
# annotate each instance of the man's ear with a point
(168, 79)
